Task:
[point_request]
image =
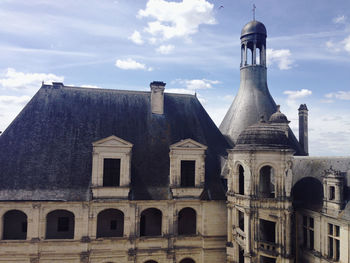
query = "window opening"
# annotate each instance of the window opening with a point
(60, 225)
(333, 242)
(266, 184)
(241, 220)
(187, 222)
(110, 223)
(151, 222)
(187, 260)
(308, 232)
(111, 172)
(267, 231)
(267, 260)
(188, 173)
(241, 255)
(241, 180)
(14, 225)
(331, 193)
(258, 56)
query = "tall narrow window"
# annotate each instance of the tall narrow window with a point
(333, 242)
(241, 220)
(241, 255)
(241, 180)
(266, 184)
(188, 173)
(258, 58)
(331, 193)
(308, 232)
(111, 172)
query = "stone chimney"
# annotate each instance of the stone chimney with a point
(303, 128)
(157, 97)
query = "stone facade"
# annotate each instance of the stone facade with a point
(205, 245)
(113, 176)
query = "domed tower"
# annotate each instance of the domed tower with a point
(258, 199)
(253, 99)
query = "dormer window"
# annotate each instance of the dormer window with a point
(111, 172)
(111, 168)
(187, 168)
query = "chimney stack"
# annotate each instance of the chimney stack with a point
(303, 128)
(157, 97)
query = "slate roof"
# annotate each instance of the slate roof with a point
(304, 166)
(46, 152)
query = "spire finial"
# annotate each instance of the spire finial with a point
(254, 7)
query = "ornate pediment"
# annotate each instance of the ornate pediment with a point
(112, 141)
(188, 144)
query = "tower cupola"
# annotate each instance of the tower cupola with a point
(253, 44)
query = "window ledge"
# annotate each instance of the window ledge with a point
(110, 192)
(192, 192)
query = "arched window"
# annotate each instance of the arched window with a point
(60, 225)
(242, 55)
(249, 56)
(266, 183)
(15, 225)
(151, 222)
(258, 56)
(187, 260)
(187, 222)
(151, 261)
(110, 223)
(308, 193)
(240, 180)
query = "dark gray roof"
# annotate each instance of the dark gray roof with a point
(254, 27)
(314, 167)
(262, 135)
(46, 152)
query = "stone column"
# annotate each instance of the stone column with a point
(254, 54)
(229, 224)
(34, 223)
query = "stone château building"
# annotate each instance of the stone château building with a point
(100, 176)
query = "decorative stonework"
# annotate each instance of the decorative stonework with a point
(114, 148)
(187, 150)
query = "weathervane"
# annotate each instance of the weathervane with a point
(254, 7)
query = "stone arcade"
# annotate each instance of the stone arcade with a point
(101, 176)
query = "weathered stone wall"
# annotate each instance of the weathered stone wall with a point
(208, 245)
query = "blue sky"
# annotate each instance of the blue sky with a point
(192, 45)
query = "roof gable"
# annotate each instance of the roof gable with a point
(112, 141)
(188, 143)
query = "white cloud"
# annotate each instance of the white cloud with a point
(196, 84)
(15, 80)
(339, 19)
(341, 95)
(180, 91)
(130, 64)
(136, 38)
(346, 43)
(177, 19)
(165, 49)
(297, 94)
(282, 57)
(14, 100)
(90, 86)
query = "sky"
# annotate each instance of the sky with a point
(192, 45)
